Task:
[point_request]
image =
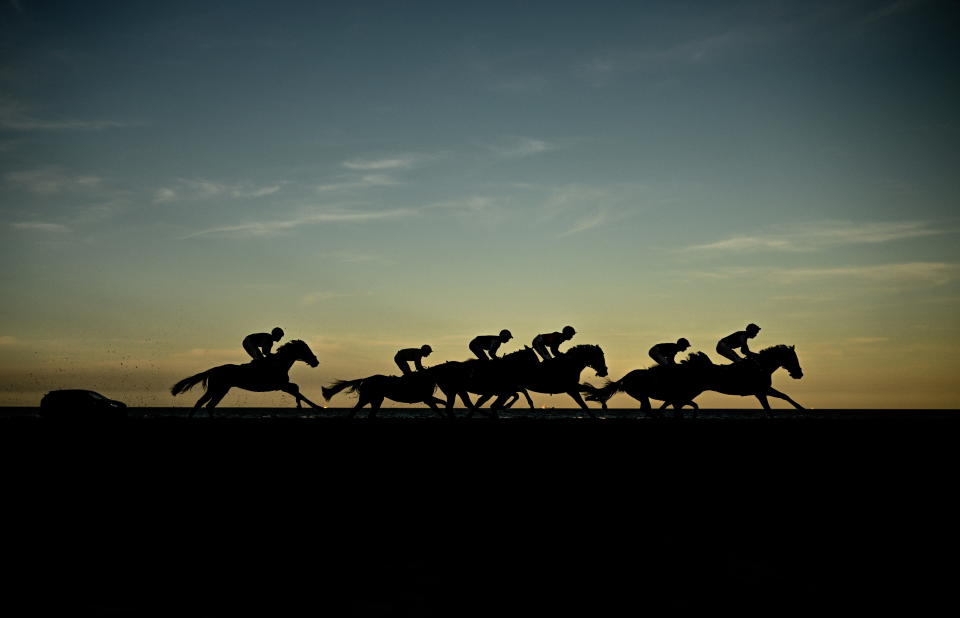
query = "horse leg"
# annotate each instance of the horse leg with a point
(375, 404)
(580, 402)
(361, 401)
(775, 393)
(514, 398)
(215, 399)
(432, 403)
(643, 399)
(300, 398)
(530, 401)
(200, 403)
(762, 398)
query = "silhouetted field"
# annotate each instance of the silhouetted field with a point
(162, 515)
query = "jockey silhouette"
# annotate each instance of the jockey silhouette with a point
(663, 353)
(258, 345)
(726, 347)
(552, 340)
(481, 345)
(411, 355)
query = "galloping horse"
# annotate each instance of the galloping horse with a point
(500, 377)
(675, 385)
(680, 384)
(755, 378)
(269, 374)
(562, 374)
(413, 387)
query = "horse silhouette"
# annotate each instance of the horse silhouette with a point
(675, 385)
(414, 387)
(501, 378)
(562, 374)
(267, 374)
(682, 383)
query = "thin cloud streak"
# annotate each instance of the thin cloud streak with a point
(367, 181)
(522, 147)
(14, 116)
(585, 224)
(51, 180)
(918, 273)
(380, 164)
(189, 189)
(830, 233)
(264, 228)
(40, 226)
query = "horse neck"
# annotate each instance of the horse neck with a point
(576, 357)
(771, 359)
(285, 361)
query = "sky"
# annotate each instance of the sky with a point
(371, 176)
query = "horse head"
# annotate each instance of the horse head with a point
(792, 364)
(591, 356)
(782, 356)
(298, 350)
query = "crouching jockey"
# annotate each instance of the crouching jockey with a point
(411, 355)
(482, 345)
(543, 341)
(663, 353)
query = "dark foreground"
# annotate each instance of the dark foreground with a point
(163, 515)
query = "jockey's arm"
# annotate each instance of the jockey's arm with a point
(493, 348)
(744, 349)
(416, 362)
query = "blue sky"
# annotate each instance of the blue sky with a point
(371, 176)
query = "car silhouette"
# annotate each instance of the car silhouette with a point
(79, 403)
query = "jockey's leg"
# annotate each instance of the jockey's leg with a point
(541, 349)
(480, 352)
(402, 364)
(729, 354)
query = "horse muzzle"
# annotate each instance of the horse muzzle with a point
(601, 373)
(313, 362)
(796, 375)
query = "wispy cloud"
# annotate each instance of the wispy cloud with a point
(586, 223)
(193, 189)
(892, 9)
(905, 273)
(15, 116)
(51, 180)
(319, 297)
(823, 234)
(381, 164)
(516, 147)
(601, 68)
(366, 181)
(40, 226)
(264, 228)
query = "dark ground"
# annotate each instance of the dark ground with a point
(838, 512)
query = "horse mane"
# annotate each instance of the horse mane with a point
(515, 353)
(775, 349)
(583, 347)
(696, 358)
(291, 343)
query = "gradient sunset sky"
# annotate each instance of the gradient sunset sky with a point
(377, 175)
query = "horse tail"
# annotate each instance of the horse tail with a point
(339, 385)
(187, 383)
(603, 393)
